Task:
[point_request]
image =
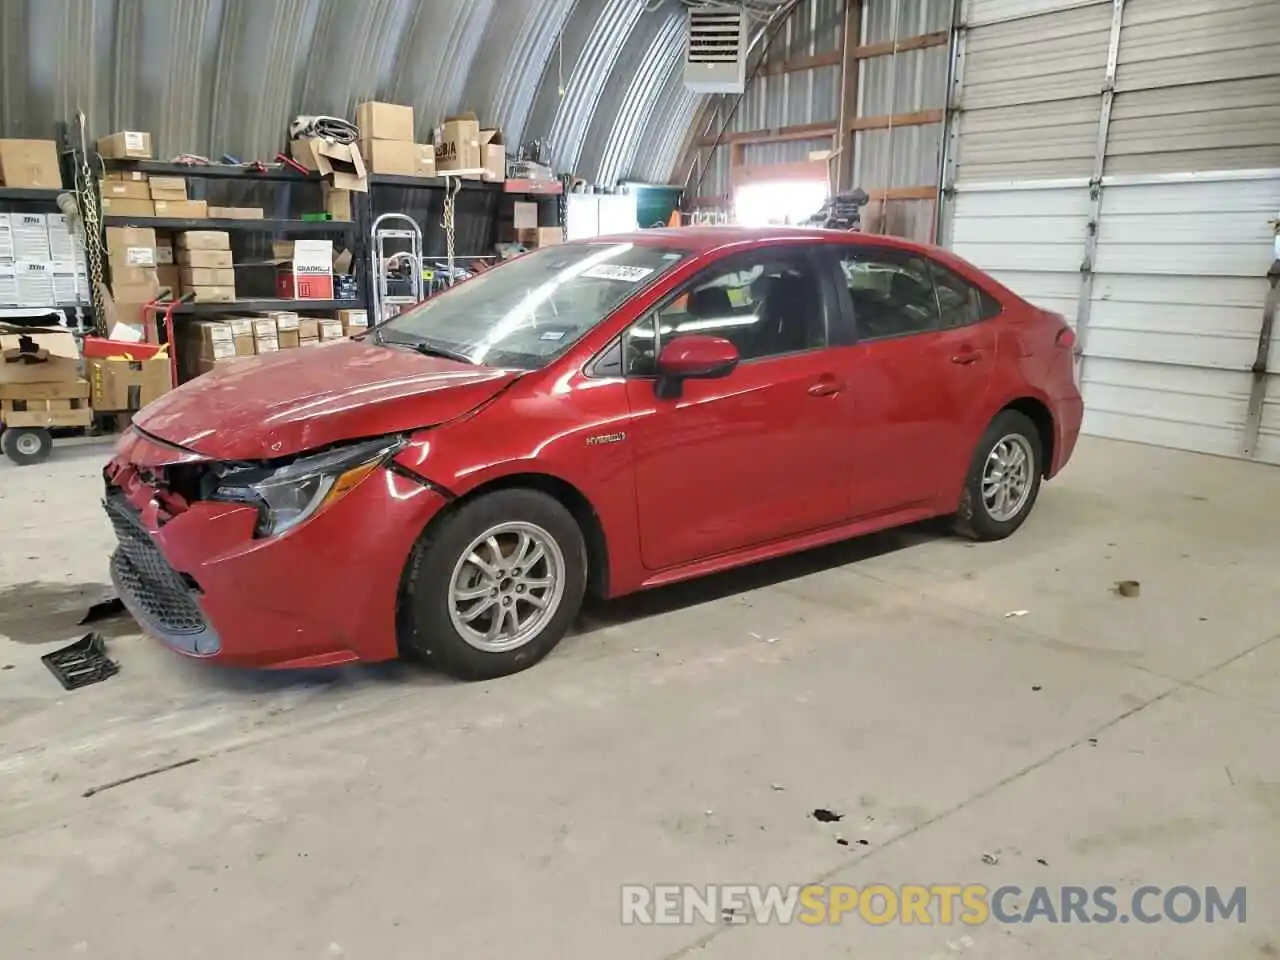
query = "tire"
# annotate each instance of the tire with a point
(980, 517)
(444, 628)
(26, 445)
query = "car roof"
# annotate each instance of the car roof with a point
(705, 239)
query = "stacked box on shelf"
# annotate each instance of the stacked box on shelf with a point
(386, 141)
(42, 261)
(131, 258)
(210, 278)
(30, 163)
(354, 322)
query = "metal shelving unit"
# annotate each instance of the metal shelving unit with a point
(271, 172)
(259, 226)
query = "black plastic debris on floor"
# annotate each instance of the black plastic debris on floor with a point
(81, 663)
(822, 815)
(104, 610)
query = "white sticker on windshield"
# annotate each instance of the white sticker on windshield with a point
(612, 271)
(552, 335)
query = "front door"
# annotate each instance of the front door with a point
(754, 456)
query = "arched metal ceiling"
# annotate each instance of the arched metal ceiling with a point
(590, 77)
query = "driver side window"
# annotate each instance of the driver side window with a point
(766, 303)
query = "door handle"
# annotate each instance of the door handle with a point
(967, 355)
(826, 387)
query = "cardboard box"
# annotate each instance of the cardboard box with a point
(131, 257)
(63, 412)
(164, 255)
(337, 203)
(212, 339)
(205, 258)
(119, 383)
(126, 189)
(266, 345)
(136, 292)
(207, 276)
(549, 236)
(169, 277)
(127, 207)
(524, 215)
(211, 293)
(384, 121)
(458, 145)
(38, 355)
(396, 157)
(30, 163)
(135, 175)
(308, 328)
(77, 389)
(127, 143)
(235, 213)
(495, 155)
(168, 188)
(242, 334)
(121, 238)
(182, 209)
(339, 163)
(289, 339)
(330, 328)
(123, 275)
(308, 273)
(204, 240)
(353, 322)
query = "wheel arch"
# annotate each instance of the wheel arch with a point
(1037, 411)
(568, 496)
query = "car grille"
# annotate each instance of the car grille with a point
(152, 584)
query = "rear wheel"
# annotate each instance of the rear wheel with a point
(495, 586)
(1003, 480)
(26, 445)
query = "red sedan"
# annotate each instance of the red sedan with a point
(601, 416)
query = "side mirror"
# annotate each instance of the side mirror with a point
(694, 357)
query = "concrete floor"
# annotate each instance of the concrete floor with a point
(683, 736)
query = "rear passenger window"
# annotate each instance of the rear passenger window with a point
(891, 292)
(959, 301)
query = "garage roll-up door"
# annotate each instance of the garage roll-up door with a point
(1119, 162)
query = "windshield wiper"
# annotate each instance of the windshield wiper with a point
(430, 350)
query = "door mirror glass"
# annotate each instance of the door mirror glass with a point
(697, 356)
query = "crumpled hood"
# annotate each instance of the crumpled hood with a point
(285, 403)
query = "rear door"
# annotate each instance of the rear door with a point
(911, 382)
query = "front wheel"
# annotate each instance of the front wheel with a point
(495, 586)
(1003, 480)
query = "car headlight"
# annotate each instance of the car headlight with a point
(287, 495)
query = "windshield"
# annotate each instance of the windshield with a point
(529, 310)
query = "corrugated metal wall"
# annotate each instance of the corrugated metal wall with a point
(1143, 214)
(908, 82)
(226, 76)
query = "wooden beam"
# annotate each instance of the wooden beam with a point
(806, 131)
(929, 192)
(829, 59)
(887, 47)
(885, 121)
(850, 35)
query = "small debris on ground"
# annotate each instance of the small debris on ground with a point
(1016, 613)
(1043, 862)
(81, 663)
(864, 843)
(104, 610)
(842, 841)
(823, 815)
(1128, 588)
(777, 786)
(1036, 688)
(1093, 741)
(991, 858)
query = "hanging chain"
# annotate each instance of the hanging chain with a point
(452, 187)
(86, 190)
